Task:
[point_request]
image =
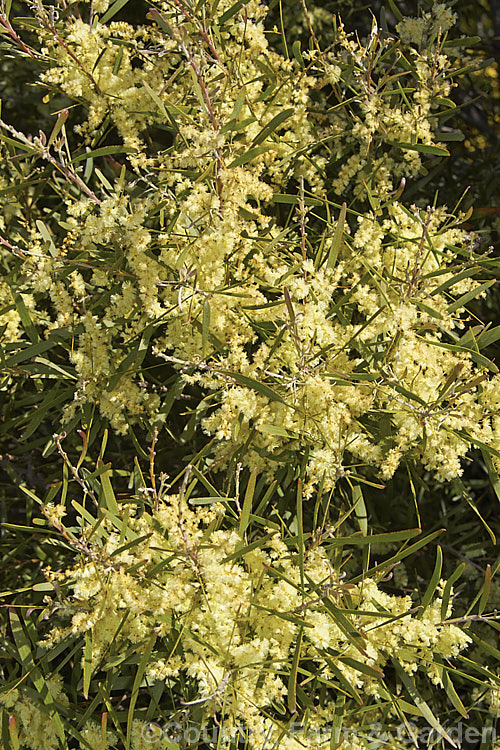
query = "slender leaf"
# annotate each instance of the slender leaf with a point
(108, 495)
(383, 538)
(300, 531)
(231, 12)
(29, 353)
(205, 328)
(419, 702)
(274, 429)
(103, 151)
(248, 156)
(298, 54)
(113, 10)
(360, 509)
(23, 313)
(452, 694)
(338, 238)
(61, 119)
(261, 388)
(247, 503)
(448, 588)
(272, 125)
(492, 472)
(360, 666)
(87, 664)
(349, 688)
(433, 583)
(242, 551)
(466, 298)
(423, 148)
(475, 356)
(141, 668)
(401, 555)
(485, 591)
(294, 200)
(292, 677)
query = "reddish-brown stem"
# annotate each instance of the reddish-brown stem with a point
(50, 27)
(200, 28)
(73, 177)
(13, 248)
(211, 114)
(4, 21)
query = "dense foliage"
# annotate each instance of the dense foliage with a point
(250, 417)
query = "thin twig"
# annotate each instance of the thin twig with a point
(200, 28)
(418, 262)
(39, 146)
(86, 489)
(49, 25)
(152, 454)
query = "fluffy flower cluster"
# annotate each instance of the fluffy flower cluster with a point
(227, 616)
(34, 726)
(421, 30)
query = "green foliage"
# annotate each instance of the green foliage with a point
(241, 358)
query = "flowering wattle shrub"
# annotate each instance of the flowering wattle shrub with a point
(225, 249)
(314, 331)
